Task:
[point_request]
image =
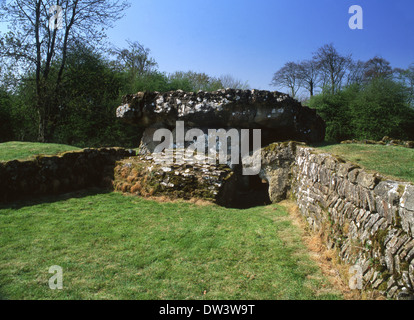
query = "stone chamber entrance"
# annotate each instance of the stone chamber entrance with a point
(249, 192)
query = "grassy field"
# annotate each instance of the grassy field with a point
(112, 246)
(394, 162)
(25, 150)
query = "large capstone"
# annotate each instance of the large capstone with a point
(278, 116)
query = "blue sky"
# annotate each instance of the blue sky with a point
(252, 39)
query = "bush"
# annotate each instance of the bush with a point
(334, 109)
(371, 111)
(6, 130)
(382, 109)
(87, 116)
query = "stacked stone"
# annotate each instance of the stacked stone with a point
(370, 219)
(66, 172)
(145, 176)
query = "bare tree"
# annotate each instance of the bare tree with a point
(309, 75)
(288, 77)
(228, 81)
(377, 67)
(333, 66)
(406, 76)
(136, 59)
(356, 73)
(41, 32)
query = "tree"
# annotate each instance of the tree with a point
(381, 109)
(135, 59)
(288, 77)
(333, 66)
(228, 81)
(377, 67)
(92, 87)
(6, 132)
(375, 109)
(309, 75)
(41, 32)
(197, 80)
(406, 77)
(335, 111)
(356, 74)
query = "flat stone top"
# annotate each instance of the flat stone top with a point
(227, 108)
(189, 102)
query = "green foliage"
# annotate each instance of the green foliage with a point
(157, 81)
(6, 132)
(370, 111)
(79, 107)
(334, 109)
(197, 81)
(381, 109)
(89, 100)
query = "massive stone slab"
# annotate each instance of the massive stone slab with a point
(279, 116)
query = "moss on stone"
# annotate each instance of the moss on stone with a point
(379, 240)
(398, 220)
(383, 287)
(401, 190)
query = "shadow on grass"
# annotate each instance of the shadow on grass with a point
(32, 201)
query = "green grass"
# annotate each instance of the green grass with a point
(112, 246)
(27, 150)
(393, 162)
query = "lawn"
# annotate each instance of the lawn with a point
(112, 246)
(26, 150)
(394, 162)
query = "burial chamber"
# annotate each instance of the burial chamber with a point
(276, 115)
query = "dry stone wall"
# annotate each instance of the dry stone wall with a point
(66, 172)
(144, 176)
(369, 219)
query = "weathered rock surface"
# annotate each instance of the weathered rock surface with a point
(144, 176)
(278, 116)
(66, 172)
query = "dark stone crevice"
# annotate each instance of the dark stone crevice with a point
(249, 192)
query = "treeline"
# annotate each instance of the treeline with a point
(357, 99)
(60, 80)
(93, 83)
